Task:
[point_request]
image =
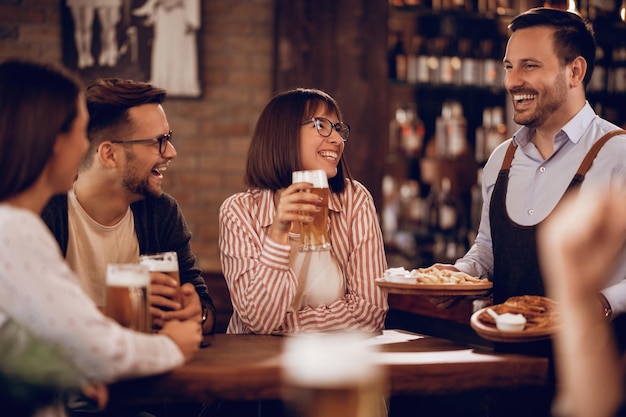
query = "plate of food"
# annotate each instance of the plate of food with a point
(541, 316)
(432, 281)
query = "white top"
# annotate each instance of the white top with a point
(91, 246)
(320, 280)
(38, 290)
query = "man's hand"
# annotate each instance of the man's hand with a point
(190, 307)
(164, 296)
(443, 302)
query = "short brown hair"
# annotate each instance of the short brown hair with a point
(274, 151)
(108, 102)
(573, 37)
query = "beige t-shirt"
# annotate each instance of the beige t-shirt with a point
(320, 281)
(91, 246)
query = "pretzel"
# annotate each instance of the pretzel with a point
(540, 312)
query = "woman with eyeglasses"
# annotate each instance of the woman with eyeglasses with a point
(274, 287)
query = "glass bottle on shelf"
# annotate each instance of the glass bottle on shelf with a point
(412, 132)
(412, 205)
(480, 144)
(448, 215)
(491, 63)
(397, 57)
(446, 71)
(422, 69)
(411, 60)
(441, 130)
(476, 206)
(451, 131)
(497, 132)
(457, 132)
(598, 78)
(449, 63)
(618, 70)
(434, 75)
(469, 63)
(391, 208)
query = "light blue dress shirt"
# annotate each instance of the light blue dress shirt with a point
(536, 185)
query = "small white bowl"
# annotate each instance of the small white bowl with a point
(398, 275)
(508, 322)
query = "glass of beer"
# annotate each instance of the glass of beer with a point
(127, 296)
(314, 235)
(332, 375)
(164, 262)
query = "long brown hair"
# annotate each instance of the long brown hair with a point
(274, 151)
(38, 101)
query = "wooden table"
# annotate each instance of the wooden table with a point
(248, 367)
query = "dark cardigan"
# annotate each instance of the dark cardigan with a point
(160, 227)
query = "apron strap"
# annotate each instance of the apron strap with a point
(593, 152)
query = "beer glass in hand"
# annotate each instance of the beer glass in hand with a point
(127, 296)
(314, 235)
(165, 263)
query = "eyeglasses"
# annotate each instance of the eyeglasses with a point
(162, 140)
(325, 127)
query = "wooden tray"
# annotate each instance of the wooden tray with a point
(434, 290)
(490, 332)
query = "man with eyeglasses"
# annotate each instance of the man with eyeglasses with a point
(117, 209)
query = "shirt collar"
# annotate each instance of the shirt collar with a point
(573, 130)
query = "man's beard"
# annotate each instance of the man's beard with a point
(554, 99)
(134, 185)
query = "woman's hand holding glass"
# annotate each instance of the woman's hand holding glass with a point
(291, 208)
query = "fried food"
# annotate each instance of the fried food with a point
(540, 312)
(432, 275)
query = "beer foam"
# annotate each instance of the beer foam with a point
(166, 262)
(329, 360)
(317, 177)
(126, 275)
(161, 265)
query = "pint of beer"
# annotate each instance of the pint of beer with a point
(332, 375)
(127, 296)
(165, 262)
(314, 235)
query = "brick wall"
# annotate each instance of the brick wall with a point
(212, 133)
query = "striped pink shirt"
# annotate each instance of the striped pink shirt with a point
(262, 285)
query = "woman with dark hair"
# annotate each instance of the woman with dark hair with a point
(273, 286)
(43, 121)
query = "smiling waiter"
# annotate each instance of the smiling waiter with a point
(562, 147)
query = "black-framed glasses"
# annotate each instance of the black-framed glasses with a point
(162, 140)
(325, 127)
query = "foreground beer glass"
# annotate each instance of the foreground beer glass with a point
(165, 262)
(332, 375)
(314, 235)
(127, 296)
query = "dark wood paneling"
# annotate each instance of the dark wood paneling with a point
(218, 290)
(339, 46)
